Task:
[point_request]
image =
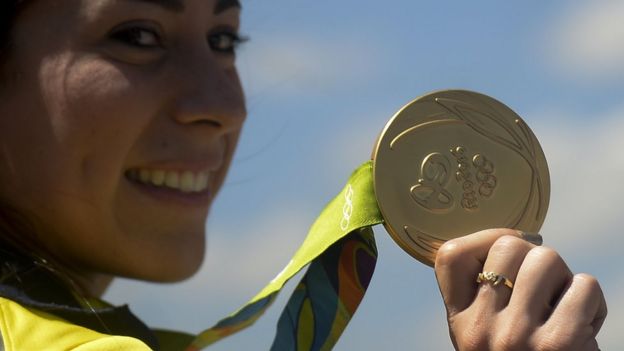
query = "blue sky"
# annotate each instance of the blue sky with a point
(323, 77)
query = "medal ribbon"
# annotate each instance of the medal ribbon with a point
(341, 252)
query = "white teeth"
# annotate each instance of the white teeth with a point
(144, 175)
(172, 180)
(157, 177)
(201, 182)
(185, 181)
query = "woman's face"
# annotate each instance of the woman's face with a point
(118, 121)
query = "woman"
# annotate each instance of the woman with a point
(119, 121)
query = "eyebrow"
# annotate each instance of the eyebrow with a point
(223, 5)
(178, 5)
(170, 5)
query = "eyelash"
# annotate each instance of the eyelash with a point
(234, 40)
(131, 36)
(224, 41)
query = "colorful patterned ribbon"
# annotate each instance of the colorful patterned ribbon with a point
(341, 251)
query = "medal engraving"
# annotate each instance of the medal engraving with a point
(476, 176)
(430, 190)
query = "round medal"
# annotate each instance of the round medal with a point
(454, 162)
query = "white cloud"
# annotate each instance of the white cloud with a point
(244, 250)
(587, 40)
(587, 168)
(292, 65)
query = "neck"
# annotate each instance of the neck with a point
(91, 285)
(87, 284)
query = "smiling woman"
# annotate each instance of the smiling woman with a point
(117, 132)
(118, 123)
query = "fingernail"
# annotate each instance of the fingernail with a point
(533, 238)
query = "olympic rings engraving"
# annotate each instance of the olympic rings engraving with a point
(347, 208)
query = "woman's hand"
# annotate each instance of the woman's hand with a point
(548, 307)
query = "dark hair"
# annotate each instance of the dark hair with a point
(15, 229)
(9, 10)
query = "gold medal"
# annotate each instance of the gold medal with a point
(454, 162)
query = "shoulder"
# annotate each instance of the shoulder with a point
(25, 328)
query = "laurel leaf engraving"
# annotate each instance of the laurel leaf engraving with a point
(521, 143)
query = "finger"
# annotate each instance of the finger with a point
(459, 261)
(601, 314)
(505, 258)
(541, 280)
(581, 310)
(590, 345)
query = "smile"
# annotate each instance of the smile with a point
(184, 181)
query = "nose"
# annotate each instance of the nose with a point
(209, 93)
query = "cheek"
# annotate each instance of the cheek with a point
(94, 117)
(65, 133)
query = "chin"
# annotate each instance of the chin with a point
(184, 269)
(170, 266)
(170, 273)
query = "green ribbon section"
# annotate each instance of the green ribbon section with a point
(341, 252)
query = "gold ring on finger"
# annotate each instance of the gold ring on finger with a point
(495, 279)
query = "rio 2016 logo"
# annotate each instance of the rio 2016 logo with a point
(475, 176)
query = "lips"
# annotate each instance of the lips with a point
(185, 181)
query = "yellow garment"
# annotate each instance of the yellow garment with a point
(26, 329)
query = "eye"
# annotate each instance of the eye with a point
(138, 36)
(225, 42)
